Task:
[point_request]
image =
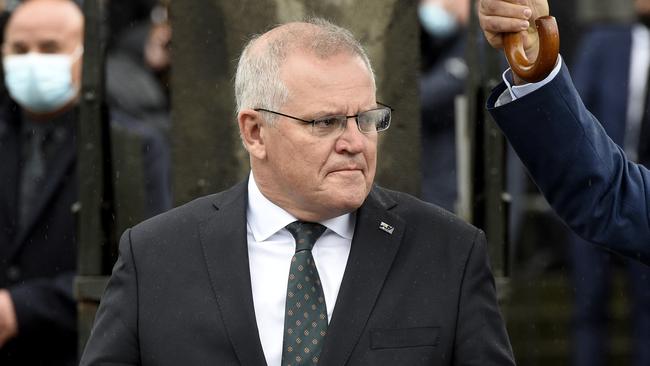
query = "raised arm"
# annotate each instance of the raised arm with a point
(583, 174)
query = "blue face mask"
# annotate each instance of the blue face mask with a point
(436, 20)
(39, 82)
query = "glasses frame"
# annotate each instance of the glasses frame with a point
(356, 117)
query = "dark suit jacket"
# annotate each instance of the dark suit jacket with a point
(180, 293)
(38, 261)
(582, 173)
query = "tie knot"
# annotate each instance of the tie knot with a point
(305, 233)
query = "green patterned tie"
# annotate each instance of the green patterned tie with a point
(305, 319)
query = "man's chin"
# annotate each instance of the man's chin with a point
(344, 193)
(347, 202)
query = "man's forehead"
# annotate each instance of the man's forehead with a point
(326, 80)
(45, 20)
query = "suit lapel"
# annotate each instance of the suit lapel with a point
(223, 240)
(371, 256)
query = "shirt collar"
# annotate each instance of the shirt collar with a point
(266, 218)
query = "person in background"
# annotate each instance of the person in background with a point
(42, 57)
(444, 72)
(138, 67)
(124, 15)
(611, 74)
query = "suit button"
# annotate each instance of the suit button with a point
(13, 273)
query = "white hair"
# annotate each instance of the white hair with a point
(257, 80)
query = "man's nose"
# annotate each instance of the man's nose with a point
(351, 140)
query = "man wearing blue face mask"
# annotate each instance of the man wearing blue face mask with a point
(42, 73)
(443, 76)
(442, 18)
(41, 82)
(42, 54)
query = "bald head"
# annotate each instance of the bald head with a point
(258, 81)
(319, 38)
(47, 26)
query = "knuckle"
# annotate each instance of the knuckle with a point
(491, 6)
(493, 25)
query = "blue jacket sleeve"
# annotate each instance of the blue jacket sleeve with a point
(583, 174)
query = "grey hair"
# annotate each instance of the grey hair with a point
(257, 81)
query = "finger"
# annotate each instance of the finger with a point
(502, 8)
(496, 24)
(494, 39)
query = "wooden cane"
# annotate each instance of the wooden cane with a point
(549, 47)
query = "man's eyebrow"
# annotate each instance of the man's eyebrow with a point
(325, 112)
(49, 45)
(15, 45)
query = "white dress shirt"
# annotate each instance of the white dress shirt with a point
(517, 91)
(270, 248)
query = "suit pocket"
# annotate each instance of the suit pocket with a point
(404, 337)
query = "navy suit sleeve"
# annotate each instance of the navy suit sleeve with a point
(114, 337)
(583, 174)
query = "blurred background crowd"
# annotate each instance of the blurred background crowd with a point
(567, 302)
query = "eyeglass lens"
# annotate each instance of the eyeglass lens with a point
(369, 121)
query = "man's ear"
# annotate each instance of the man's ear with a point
(250, 129)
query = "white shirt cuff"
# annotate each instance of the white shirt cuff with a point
(514, 92)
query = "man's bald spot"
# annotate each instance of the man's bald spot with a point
(292, 36)
(66, 10)
(288, 30)
(282, 37)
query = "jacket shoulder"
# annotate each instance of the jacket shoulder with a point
(189, 216)
(416, 211)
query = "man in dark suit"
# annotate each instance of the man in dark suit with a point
(229, 279)
(583, 174)
(38, 182)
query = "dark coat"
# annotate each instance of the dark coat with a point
(180, 293)
(38, 261)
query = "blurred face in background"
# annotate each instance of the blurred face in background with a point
(42, 55)
(442, 18)
(642, 6)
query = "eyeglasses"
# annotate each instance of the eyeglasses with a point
(374, 120)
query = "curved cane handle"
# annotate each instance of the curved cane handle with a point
(549, 47)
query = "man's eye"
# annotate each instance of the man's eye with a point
(327, 122)
(18, 49)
